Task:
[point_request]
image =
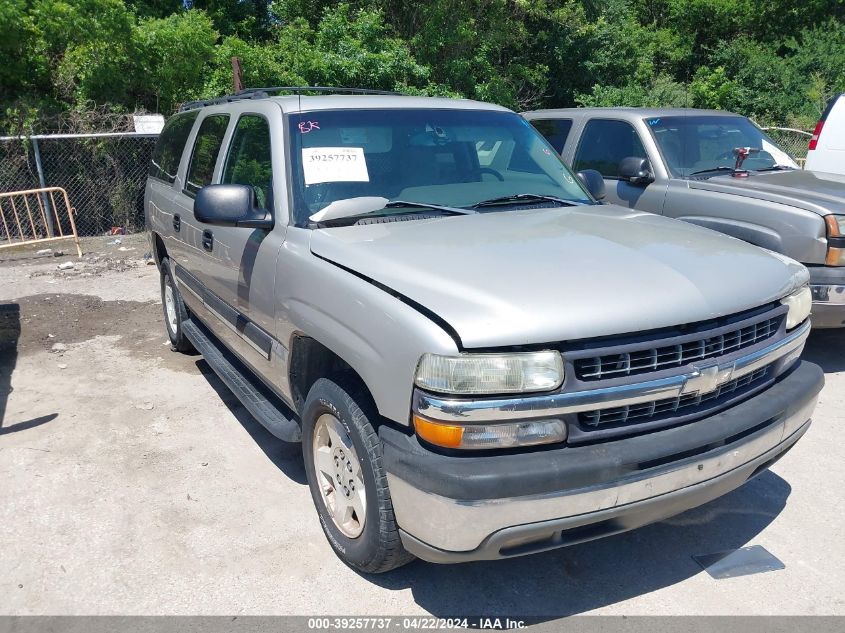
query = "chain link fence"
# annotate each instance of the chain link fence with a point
(793, 142)
(103, 174)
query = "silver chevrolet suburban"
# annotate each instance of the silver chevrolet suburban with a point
(718, 170)
(479, 360)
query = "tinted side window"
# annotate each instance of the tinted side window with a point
(604, 143)
(555, 131)
(171, 142)
(250, 160)
(206, 148)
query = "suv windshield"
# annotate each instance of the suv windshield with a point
(693, 144)
(450, 158)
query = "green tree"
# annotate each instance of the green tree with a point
(86, 45)
(816, 59)
(155, 8)
(777, 61)
(249, 19)
(347, 48)
(20, 64)
(661, 91)
(174, 55)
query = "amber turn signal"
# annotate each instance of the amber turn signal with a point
(835, 254)
(447, 435)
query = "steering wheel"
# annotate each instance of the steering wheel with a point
(491, 171)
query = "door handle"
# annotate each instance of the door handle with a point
(177, 222)
(207, 240)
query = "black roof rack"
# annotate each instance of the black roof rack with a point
(263, 93)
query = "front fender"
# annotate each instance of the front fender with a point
(747, 232)
(377, 334)
(792, 231)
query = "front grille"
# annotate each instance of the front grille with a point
(658, 358)
(682, 405)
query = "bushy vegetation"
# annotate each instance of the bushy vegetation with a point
(778, 61)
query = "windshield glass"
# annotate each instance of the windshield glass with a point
(692, 144)
(454, 158)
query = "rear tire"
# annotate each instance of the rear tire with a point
(175, 311)
(343, 463)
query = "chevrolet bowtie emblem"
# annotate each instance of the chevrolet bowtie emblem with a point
(706, 379)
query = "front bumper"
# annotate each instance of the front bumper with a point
(461, 508)
(828, 287)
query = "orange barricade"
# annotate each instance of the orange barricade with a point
(34, 216)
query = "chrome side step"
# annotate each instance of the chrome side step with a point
(257, 399)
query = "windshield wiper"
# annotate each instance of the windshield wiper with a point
(407, 204)
(365, 206)
(777, 168)
(524, 197)
(704, 171)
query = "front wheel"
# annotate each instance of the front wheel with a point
(343, 464)
(174, 310)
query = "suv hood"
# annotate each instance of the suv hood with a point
(539, 276)
(817, 192)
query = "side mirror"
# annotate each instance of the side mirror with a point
(594, 183)
(231, 205)
(636, 170)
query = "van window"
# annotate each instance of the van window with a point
(171, 142)
(250, 160)
(696, 144)
(555, 130)
(206, 148)
(604, 143)
(431, 156)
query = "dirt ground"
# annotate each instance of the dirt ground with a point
(132, 482)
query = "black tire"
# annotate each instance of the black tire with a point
(178, 341)
(378, 548)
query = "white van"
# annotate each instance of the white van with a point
(827, 146)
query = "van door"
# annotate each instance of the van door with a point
(827, 154)
(204, 257)
(164, 185)
(603, 144)
(247, 255)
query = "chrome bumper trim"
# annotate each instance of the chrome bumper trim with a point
(702, 380)
(828, 294)
(461, 526)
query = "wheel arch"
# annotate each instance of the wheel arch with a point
(311, 360)
(159, 249)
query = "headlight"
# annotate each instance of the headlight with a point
(800, 303)
(485, 374)
(835, 240)
(490, 436)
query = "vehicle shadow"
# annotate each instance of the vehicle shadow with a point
(584, 577)
(10, 332)
(826, 348)
(286, 457)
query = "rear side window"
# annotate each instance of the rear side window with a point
(171, 142)
(206, 148)
(250, 160)
(604, 143)
(555, 130)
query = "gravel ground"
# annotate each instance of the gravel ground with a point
(134, 483)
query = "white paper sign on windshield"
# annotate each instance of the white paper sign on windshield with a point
(334, 164)
(780, 157)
